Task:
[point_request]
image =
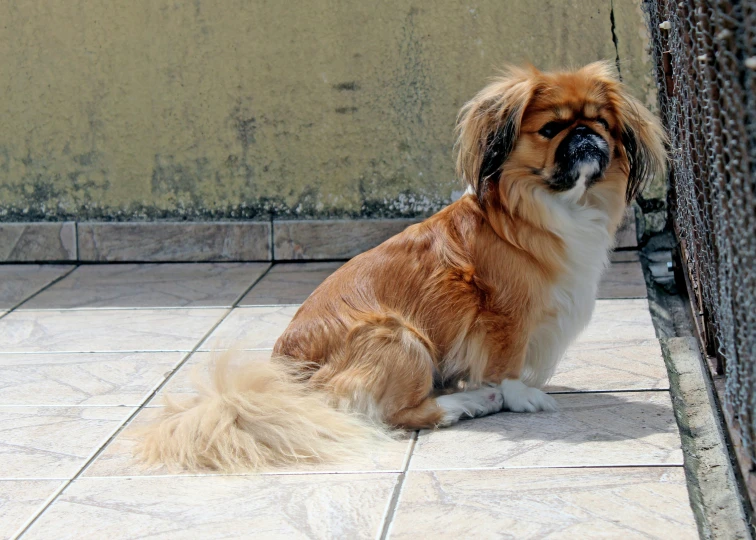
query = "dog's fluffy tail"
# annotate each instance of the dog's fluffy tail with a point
(253, 417)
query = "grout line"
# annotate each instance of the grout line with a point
(544, 467)
(621, 391)
(105, 351)
(130, 351)
(272, 240)
(67, 406)
(244, 293)
(242, 475)
(47, 502)
(174, 369)
(131, 417)
(388, 517)
(135, 308)
(76, 240)
(50, 284)
(351, 473)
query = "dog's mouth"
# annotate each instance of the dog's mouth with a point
(580, 161)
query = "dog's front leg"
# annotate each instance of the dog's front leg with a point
(506, 361)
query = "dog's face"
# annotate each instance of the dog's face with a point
(560, 132)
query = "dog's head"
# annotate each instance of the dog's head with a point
(564, 132)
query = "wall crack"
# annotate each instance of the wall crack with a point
(615, 40)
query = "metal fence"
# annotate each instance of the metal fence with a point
(705, 58)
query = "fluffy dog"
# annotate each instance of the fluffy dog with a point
(458, 316)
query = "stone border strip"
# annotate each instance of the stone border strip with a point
(206, 241)
(38, 242)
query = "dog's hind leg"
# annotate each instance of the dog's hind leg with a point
(386, 372)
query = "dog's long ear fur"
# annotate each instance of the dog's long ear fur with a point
(488, 127)
(644, 140)
(642, 134)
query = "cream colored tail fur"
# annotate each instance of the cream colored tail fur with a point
(253, 417)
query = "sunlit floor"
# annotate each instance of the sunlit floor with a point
(86, 354)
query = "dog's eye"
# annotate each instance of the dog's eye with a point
(603, 123)
(551, 129)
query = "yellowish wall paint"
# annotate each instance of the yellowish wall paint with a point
(229, 108)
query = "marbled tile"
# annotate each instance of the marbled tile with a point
(106, 330)
(622, 503)
(20, 281)
(627, 236)
(620, 320)
(150, 285)
(632, 428)
(251, 328)
(21, 500)
(53, 442)
(118, 460)
(287, 507)
(611, 365)
(624, 256)
(289, 283)
(332, 239)
(198, 365)
(623, 280)
(38, 242)
(82, 378)
(171, 241)
(259, 327)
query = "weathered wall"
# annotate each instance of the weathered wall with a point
(223, 109)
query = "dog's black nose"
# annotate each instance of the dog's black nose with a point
(584, 131)
(581, 150)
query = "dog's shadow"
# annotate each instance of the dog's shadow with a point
(583, 417)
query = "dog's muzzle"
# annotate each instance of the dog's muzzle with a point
(581, 157)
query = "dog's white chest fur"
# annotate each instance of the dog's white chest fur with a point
(587, 242)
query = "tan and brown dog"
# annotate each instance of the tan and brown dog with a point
(458, 316)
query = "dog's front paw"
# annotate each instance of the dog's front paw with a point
(470, 404)
(521, 398)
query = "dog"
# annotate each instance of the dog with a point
(462, 315)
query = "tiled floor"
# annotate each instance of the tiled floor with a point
(86, 354)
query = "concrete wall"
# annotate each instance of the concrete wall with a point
(217, 109)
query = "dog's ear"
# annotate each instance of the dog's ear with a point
(645, 142)
(488, 127)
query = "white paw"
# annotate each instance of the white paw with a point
(521, 398)
(480, 402)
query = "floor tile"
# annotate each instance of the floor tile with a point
(537, 503)
(620, 320)
(633, 428)
(82, 378)
(21, 500)
(611, 365)
(150, 285)
(251, 328)
(624, 256)
(289, 283)
(106, 330)
(299, 506)
(198, 365)
(117, 459)
(53, 442)
(260, 327)
(20, 281)
(292, 283)
(623, 280)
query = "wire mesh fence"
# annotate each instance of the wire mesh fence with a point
(705, 60)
